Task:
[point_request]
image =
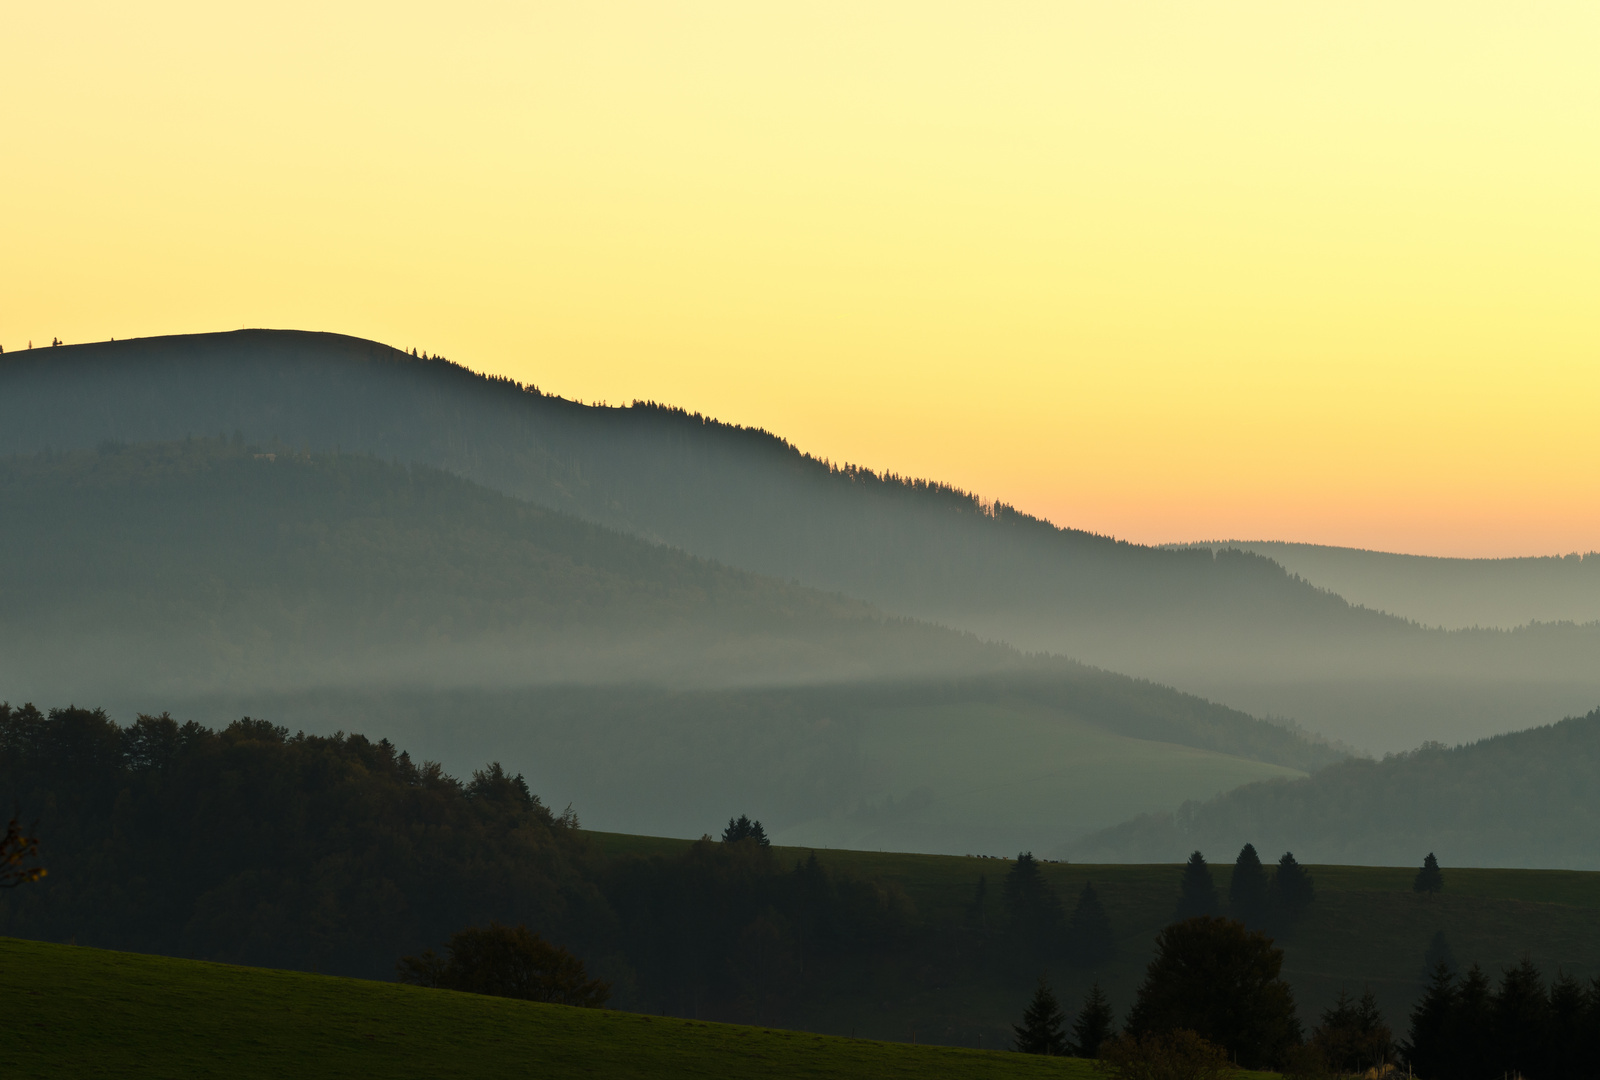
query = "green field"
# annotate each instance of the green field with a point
(76, 1012)
(1365, 929)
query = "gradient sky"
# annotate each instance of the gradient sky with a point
(1324, 272)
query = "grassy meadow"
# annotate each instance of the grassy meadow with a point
(67, 1011)
(1366, 928)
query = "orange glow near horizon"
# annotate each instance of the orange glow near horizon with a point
(1323, 272)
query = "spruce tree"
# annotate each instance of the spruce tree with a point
(1089, 937)
(1292, 889)
(1428, 879)
(1568, 1030)
(1093, 1026)
(1197, 893)
(1428, 1048)
(1249, 891)
(1040, 1030)
(742, 828)
(1521, 1018)
(1032, 910)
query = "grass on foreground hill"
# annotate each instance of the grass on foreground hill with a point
(1366, 929)
(67, 1011)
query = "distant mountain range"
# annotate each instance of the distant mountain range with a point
(1452, 593)
(657, 691)
(1232, 625)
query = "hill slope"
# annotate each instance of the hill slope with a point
(89, 1012)
(1453, 593)
(1527, 799)
(338, 592)
(1231, 625)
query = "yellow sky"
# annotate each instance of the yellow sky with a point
(1324, 272)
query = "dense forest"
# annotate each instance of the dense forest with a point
(1531, 798)
(334, 590)
(338, 854)
(1231, 625)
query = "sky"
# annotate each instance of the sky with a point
(1323, 272)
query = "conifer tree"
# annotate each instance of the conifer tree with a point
(1040, 1030)
(1428, 879)
(1249, 891)
(1521, 1019)
(1292, 889)
(742, 828)
(1197, 893)
(1093, 1026)
(1032, 910)
(1570, 1035)
(1089, 937)
(1428, 1049)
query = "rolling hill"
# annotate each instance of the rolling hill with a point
(82, 1018)
(338, 592)
(1453, 593)
(1531, 798)
(1230, 625)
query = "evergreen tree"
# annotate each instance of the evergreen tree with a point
(1197, 893)
(1093, 1026)
(1521, 1019)
(1292, 889)
(1353, 1036)
(1089, 937)
(1249, 891)
(1428, 879)
(1472, 1049)
(742, 828)
(1571, 1038)
(1032, 909)
(1438, 952)
(1428, 1049)
(1040, 1030)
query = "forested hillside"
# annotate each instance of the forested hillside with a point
(331, 591)
(1230, 625)
(1453, 593)
(1527, 799)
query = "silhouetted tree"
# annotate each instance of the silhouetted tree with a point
(1249, 891)
(1352, 1036)
(1221, 980)
(1571, 1029)
(17, 850)
(1093, 1026)
(1197, 893)
(1292, 889)
(1033, 911)
(1428, 879)
(1089, 938)
(742, 828)
(1521, 1018)
(1472, 1026)
(506, 962)
(1428, 1049)
(1040, 1030)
